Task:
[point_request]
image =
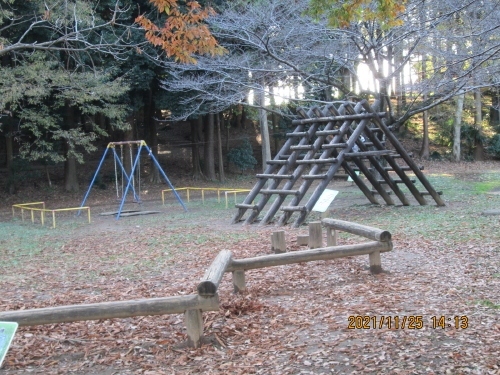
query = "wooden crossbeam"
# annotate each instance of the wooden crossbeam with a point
(277, 191)
(334, 145)
(294, 208)
(317, 161)
(275, 176)
(364, 154)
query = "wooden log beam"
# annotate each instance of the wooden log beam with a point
(358, 229)
(337, 118)
(317, 161)
(110, 310)
(208, 285)
(325, 253)
(278, 191)
(363, 154)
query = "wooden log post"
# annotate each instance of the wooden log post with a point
(239, 281)
(331, 237)
(375, 263)
(315, 235)
(278, 244)
(302, 239)
(210, 282)
(194, 326)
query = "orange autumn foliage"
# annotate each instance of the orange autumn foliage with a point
(184, 33)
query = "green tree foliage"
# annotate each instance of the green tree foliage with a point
(242, 156)
(34, 93)
(341, 13)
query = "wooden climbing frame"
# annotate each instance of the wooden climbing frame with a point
(324, 141)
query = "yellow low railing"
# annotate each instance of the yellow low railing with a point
(43, 210)
(218, 190)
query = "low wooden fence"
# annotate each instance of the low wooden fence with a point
(207, 298)
(34, 207)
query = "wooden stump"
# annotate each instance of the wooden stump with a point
(239, 281)
(303, 239)
(315, 235)
(331, 237)
(375, 263)
(194, 325)
(278, 244)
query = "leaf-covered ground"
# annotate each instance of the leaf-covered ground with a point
(293, 319)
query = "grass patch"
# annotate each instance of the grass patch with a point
(487, 186)
(21, 241)
(457, 222)
(489, 304)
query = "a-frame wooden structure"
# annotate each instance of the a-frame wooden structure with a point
(324, 141)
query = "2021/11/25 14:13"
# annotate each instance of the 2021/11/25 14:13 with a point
(458, 322)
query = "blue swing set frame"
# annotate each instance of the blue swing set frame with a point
(129, 178)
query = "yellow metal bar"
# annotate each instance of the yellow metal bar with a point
(32, 216)
(88, 213)
(19, 205)
(53, 219)
(41, 216)
(203, 196)
(187, 192)
(218, 195)
(22, 214)
(67, 209)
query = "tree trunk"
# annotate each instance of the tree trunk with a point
(495, 110)
(457, 123)
(208, 155)
(264, 129)
(222, 177)
(70, 176)
(424, 151)
(151, 127)
(125, 150)
(478, 123)
(9, 149)
(275, 118)
(70, 172)
(195, 147)
(153, 144)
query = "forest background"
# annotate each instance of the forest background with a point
(216, 84)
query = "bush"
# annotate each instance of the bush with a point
(494, 146)
(242, 157)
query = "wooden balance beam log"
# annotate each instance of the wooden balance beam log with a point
(239, 266)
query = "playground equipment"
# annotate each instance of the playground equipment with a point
(226, 191)
(329, 141)
(34, 207)
(128, 181)
(207, 298)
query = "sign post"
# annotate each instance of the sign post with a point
(7, 331)
(325, 200)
